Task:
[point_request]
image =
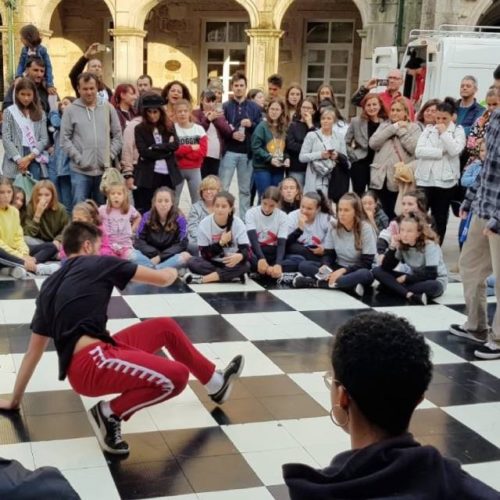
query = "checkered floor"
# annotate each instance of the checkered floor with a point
(188, 448)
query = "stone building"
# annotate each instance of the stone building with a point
(309, 41)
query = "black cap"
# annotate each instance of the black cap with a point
(152, 101)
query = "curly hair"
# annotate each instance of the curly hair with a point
(425, 232)
(384, 365)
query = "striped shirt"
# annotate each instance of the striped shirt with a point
(483, 197)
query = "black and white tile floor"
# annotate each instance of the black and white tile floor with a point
(188, 448)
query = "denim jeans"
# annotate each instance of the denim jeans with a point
(265, 178)
(86, 186)
(140, 259)
(243, 166)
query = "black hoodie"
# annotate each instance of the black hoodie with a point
(396, 468)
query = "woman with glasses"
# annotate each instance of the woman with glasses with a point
(295, 136)
(381, 369)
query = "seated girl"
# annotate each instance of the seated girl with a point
(416, 245)
(374, 211)
(291, 194)
(15, 259)
(413, 201)
(267, 228)
(19, 201)
(209, 187)
(45, 220)
(120, 220)
(162, 235)
(88, 211)
(349, 254)
(223, 244)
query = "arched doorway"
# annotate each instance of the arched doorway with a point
(74, 26)
(491, 17)
(193, 41)
(324, 33)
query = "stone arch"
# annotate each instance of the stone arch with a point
(283, 5)
(48, 7)
(139, 15)
(480, 8)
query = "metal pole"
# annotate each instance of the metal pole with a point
(399, 32)
(11, 6)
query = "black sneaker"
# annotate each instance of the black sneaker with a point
(461, 331)
(304, 282)
(108, 431)
(287, 278)
(230, 373)
(243, 279)
(490, 350)
(192, 279)
(418, 299)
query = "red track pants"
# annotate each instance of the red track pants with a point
(132, 369)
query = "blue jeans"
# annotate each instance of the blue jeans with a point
(63, 185)
(86, 186)
(243, 166)
(140, 259)
(265, 178)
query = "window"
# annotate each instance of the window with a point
(328, 58)
(224, 51)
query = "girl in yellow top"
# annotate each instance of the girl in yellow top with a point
(15, 259)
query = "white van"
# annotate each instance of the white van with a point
(450, 52)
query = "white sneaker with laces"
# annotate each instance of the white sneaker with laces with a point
(47, 269)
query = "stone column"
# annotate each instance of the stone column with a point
(128, 54)
(263, 55)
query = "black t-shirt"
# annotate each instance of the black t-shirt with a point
(73, 302)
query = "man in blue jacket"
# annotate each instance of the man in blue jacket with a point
(243, 116)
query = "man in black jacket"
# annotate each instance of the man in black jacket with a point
(94, 66)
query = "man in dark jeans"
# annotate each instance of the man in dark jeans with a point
(243, 116)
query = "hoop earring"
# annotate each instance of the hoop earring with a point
(339, 424)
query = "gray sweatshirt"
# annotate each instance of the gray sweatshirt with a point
(91, 137)
(197, 213)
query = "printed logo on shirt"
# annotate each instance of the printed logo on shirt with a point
(267, 238)
(190, 139)
(313, 240)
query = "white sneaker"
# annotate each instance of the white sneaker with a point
(47, 269)
(18, 272)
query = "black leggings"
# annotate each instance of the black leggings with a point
(210, 167)
(360, 176)
(288, 265)
(432, 288)
(144, 195)
(43, 252)
(439, 201)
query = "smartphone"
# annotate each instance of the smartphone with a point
(382, 82)
(311, 247)
(323, 273)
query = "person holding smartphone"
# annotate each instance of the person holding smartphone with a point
(211, 117)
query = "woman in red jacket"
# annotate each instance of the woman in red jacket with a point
(217, 128)
(193, 144)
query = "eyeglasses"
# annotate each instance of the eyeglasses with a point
(329, 380)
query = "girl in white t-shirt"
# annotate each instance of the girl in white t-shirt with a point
(307, 230)
(193, 143)
(223, 244)
(267, 228)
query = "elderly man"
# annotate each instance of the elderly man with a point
(94, 66)
(392, 92)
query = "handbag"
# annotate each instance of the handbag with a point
(26, 182)
(321, 167)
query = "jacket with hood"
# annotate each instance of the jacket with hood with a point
(197, 213)
(438, 156)
(91, 137)
(394, 468)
